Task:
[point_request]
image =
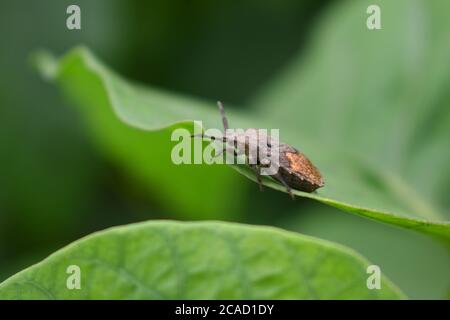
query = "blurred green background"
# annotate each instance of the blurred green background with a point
(55, 187)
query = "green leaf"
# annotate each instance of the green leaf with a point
(119, 115)
(418, 265)
(203, 260)
(352, 184)
(371, 109)
(440, 230)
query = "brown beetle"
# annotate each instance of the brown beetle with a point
(295, 170)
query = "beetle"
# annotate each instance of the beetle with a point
(295, 170)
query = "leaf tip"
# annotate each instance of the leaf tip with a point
(45, 63)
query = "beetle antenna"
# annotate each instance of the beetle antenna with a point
(222, 113)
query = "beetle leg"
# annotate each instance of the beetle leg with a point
(257, 171)
(212, 138)
(288, 188)
(224, 117)
(258, 176)
(229, 149)
(219, 153)
(201, 135)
